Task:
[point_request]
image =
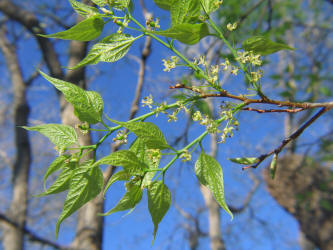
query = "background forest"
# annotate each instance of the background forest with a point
(293, 211)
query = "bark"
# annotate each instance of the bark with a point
(17, 212)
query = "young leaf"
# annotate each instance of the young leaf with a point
(139, 148)
(163, 4)
(110, 49)
(100, 3)
(209, 174)
(119, 176)
(129, 200)
(126, 159)
(83, 9)
(210, 6)
(120, 4)
(148, 132)
(86, 183)
(60, 135)
(244, 160)
(62, 183)
(273, 166)
(184, 11)
(88, 105)
(56, 165)
(159, 200)
(87, 30)
(263, 45)
(186, 33)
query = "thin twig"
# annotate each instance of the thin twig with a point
(292, 137)
(274, 110)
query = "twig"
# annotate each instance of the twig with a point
(292, 137)
(274, 110)
(243, 98)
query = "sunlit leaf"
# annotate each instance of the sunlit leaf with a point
(87, 30)
(60, 135)
(244, 160)
(88, 105)
(159, 200)
(263, 45)
(110, 49)
(186, 33)
(209, 174)
(86, 183)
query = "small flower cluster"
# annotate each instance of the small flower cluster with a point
(226, 66)
(154, 155)
(211, 125)
(232, 26)
(249, 57)
(122, 24)
(147, 101)
(170, 63)
(84, 128)
(232, 125)
(121, 137)
(150, 23)
(173, 116)
(185, 156)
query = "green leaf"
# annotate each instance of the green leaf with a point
(86, 183)
(126, 159)
(244, 160)
(148, 132)
(100, 3)
(87, 30)
(184, 11)
(139, 148)
(60, 135)
(209, 174)
(62, 183)
(159, 200)
(186, 33)
(163, 4)
(203, 107)
(263, 45)
(88, 105)
(83, 9)
(56, 165)
(120, 4)
(119, 176)
(273, 166)
(110, 49)
(129, 200)
(210, 6)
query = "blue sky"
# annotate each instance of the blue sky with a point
(117, 85)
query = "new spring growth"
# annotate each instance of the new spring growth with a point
(232, 125)
(170, 63)
(121, 137)
(185, 156)
(173, 116)
(211, 125)
(232, 27)
(84, 128)
(154, 155)
(147, 101)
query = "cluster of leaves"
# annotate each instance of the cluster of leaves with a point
(140, 169)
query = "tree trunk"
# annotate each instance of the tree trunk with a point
(17, 212)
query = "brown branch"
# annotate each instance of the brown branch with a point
(274, 110)
(292, 137)
(243, 98)
(32, 236)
